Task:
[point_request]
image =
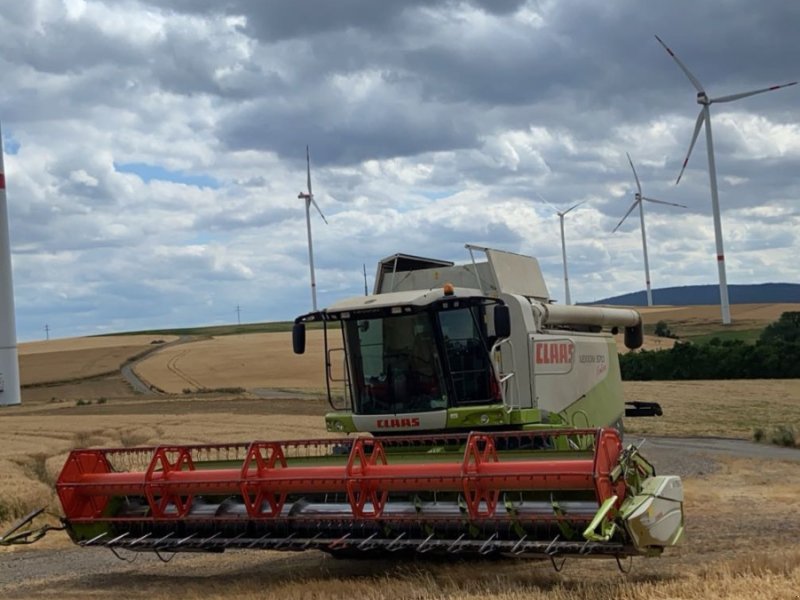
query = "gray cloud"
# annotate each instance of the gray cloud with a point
(431, 124)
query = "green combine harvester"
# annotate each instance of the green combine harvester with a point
(471, 415)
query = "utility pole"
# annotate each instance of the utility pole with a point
(238, 314)
(47, 331)
(366, 293)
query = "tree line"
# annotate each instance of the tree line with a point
(775, 355)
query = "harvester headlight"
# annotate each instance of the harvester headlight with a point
(337, 425)
(484, 419)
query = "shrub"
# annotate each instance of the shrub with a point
(784, 435)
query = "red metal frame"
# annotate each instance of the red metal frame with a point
(265, 478)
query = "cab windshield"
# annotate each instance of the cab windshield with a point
(415, 362)
(395, 365)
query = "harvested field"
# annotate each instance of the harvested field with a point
(247, 361)
(719, 559)
(79, 358)
(88, 343)
(722, 556)
(732, 408)
(698, 320)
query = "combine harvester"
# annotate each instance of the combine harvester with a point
(495, 418)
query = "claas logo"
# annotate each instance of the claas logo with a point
(393, 423)
(554, 353)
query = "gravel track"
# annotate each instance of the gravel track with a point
(27, 571)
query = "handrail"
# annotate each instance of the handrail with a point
(504, 378)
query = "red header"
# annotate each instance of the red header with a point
(2, 181)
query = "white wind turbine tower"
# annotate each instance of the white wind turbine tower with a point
(9, 362)
(561, 215)
(638, 198)
(705, 118)
(309, 198)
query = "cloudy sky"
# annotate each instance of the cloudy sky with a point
(155, 148)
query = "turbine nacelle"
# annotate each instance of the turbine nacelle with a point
(702, 98)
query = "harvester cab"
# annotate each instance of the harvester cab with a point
(440, 347)
(490, 423)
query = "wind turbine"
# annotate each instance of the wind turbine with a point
(705, 118)
(309, 198)
(638, 198)
(561, 215)
(9, 357)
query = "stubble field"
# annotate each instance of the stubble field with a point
(742, 507)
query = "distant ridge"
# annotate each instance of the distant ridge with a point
(769, 293)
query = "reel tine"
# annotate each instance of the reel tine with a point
(487, 546)
(550, 551)
(422, 549)
(96, 538)
(454, 547)
(140, 539)
(516, 549)
(228, 543)
(286, 541)
(365, 545)
(391, 546)
(340, 542)
(310, 541)
(261, 539)
(116, 539)
(186, 539)
(160, 541)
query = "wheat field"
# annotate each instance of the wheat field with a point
(742, 525)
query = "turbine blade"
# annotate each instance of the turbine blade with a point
(543, 199)
(695, 82)
(308, 175)
(662, 202)
(697, 125)
(574, 206)
(635, 176)
(314, 202)
(733, 97)
(630, 210)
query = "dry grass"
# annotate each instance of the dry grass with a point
(748, 506)
(717, 408)
(47, 367)
(249, 361)
(768, 577)
(720, 558)
(76, 358)
(697, 320)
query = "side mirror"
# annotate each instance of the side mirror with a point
(299, 338)
(502, 321)
(634, 337)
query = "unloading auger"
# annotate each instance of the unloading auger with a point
(485, 419)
